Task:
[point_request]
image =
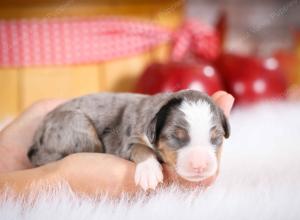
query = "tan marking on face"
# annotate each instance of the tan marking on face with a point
(218, 155)
(213, 133)
(168, 155)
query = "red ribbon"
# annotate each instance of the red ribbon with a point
(42, 42)
(196, 38)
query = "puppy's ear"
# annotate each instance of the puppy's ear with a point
(224, 122)
(158, 122)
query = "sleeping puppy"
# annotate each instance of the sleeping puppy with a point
(184, 129)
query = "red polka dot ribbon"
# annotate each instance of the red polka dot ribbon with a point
(67, 41)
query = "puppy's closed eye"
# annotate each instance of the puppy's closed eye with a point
(181, 134)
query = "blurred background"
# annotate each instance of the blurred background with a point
(68, 48)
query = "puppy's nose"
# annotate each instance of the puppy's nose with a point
(199, 166)
(199, 162)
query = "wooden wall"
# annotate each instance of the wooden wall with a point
(20, 87)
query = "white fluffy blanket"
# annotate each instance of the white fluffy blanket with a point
(260, 179)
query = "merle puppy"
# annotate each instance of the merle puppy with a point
(184, 129)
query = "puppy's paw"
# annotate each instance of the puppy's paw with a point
(148, 174)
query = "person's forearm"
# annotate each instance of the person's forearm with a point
(103, 174)
(29, 181)
(94, 181)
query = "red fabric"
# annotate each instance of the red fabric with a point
(77, 41)
(197, 38)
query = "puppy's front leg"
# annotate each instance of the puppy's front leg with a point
(148, 171)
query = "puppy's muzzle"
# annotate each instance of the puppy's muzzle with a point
(196, 163)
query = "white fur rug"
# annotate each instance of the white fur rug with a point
(260, 179)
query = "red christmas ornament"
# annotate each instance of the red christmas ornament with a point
(251, 79)
(176, 76)
(193, 41)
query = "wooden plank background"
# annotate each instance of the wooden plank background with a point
(20, 87)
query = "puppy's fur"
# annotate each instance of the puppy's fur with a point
(167, 127)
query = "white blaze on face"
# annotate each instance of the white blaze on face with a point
(197, 160)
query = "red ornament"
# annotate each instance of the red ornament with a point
(175, 76)
(251, 79)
